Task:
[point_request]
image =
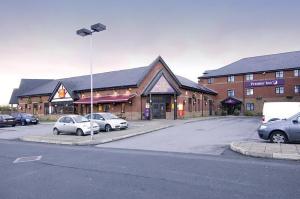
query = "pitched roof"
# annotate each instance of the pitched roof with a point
(114, 79)
(262, 63)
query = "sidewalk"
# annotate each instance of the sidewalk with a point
(267, 150)
(135, 128)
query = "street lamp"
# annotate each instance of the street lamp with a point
(85, 32)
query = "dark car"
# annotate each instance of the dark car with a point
(7, 120)
(25, 118)
(281, 131)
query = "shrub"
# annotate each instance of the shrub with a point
(236, 112)
(248, 113)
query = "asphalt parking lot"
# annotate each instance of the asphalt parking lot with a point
(16, 132)
(202, 137)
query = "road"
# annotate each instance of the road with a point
(201, 137)
(90, 172)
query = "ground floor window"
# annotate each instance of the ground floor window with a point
(62, 107)
(106, 107)
(46, 108)
(190, 105)
(250, 107)
(297, 89)
(279, 90)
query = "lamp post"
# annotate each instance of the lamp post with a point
(85, 32)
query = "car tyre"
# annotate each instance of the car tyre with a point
(79, 132)
(278, 137)
(55, 131)
(23, 123)
(13, 125)
(107, 128)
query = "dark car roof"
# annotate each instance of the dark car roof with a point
(280, 61)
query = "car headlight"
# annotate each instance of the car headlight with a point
(27, 120)
(263, 127)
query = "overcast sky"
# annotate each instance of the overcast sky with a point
(38, 38)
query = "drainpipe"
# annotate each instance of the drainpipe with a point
(141, 108)
(243, 93)
(202, 105)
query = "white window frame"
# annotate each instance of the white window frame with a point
(210, 80)
(249, 91)
(297, 89)
(249, 77)
(279, 90)
(279, 74)
(296, 72)
(230, 78)
(250, 106)
(230, 91)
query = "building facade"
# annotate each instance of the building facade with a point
(151, 92)
(245, 85)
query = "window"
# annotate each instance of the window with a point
(106, 107)
(249, 77)
(210, 80)
(279, 74)
(230, 78)
(123, 108)
(190, 104)
(230, 93)
(199, 104)
(279, 90)
(249, 106)
(297, 72)
(297, 89)
(249, 91)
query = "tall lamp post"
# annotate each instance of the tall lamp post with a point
(85, 32)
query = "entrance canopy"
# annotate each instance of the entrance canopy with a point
(106, 99)
(231, 101)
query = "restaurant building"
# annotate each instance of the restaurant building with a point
(243, 86)
(150, 92)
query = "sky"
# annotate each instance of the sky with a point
(38, 38)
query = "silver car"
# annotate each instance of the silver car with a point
(108, 121)
(281, 131)
(74, 124)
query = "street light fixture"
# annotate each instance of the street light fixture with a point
(85, 32)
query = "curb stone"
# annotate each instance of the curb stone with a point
(237, 148)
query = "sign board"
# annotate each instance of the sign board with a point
(162, 86)
(259, 83)
(62, 95)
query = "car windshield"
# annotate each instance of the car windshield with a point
(297, 114)
(28, 115)
(109, 116)
(6, 116)
(80, 119)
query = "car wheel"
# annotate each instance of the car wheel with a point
(23, 123)
(278, 137)
(79, 132)
(107, 128)
(13, 125)
(55, 131)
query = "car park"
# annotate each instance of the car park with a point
(281, 131)
(74, 124)
(108, 121)
(7, 120)
(25, 118)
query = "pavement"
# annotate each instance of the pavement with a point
(267, 150)
(135, 128)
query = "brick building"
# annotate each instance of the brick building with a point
(246, 84)
(136, 93)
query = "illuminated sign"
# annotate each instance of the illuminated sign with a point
(260, 83)
(62, 95)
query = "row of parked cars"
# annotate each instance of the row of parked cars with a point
(80, 125)
(17, 119)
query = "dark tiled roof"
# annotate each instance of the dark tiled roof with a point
(14, 98)
(193, 85)
(272, 62)
(114, 79)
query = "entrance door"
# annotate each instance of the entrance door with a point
(210, 108)
(159, 111)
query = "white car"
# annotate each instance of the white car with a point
(74, 124)
(108, 121)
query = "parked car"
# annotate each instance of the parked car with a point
(281, 131)
(7, 120)
(279, 110)
(74, 124)
(25, 118)
(108, 121)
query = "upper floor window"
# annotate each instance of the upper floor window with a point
(279, 74)
(249, 77)
(230, 93)
(297, 89)
(210, 80)
(230, 78)
(279, 90)
(297, 72)
(249, 91)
